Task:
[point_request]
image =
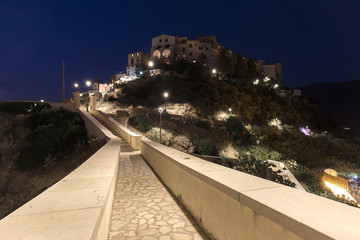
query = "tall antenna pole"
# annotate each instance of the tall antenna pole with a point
(63, 83)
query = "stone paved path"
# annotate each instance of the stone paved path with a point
(144, 209)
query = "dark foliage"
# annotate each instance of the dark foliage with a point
(206, 147)
(54, 132)
(21, 107)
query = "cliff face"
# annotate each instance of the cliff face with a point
(338, 100)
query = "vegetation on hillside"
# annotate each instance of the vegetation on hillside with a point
(39, 145)
(264, 122)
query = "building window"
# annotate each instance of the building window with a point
(184, 56)
(190, 45)
(190, 54)
(160, 40)
(195, 44)
(166, 39)
(132, 61)
(183, 49)
(156, 54)
(166, 53)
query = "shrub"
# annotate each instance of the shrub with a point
(54, 132)
(141, 120)
(182, 143)
(235, 126)
(206, 147)
(154, 134)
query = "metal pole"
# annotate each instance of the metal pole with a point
(160, 128)
(63, 83)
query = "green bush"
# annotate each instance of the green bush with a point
(206, 147)
(182, 143)
(235, 126)
(154, 134)
(54, 132)
(142, 121)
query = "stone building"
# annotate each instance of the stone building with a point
(270, 70)
(163, 49)
(136, 61)
(169, 49)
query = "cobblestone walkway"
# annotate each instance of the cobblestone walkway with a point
(144, 209)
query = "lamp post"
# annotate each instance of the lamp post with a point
(160, 109)
(88, 83)
(76, 85)
(166, 95)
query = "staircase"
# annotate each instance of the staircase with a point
(125, 146)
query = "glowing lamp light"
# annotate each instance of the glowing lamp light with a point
(76, 85)
(266, 79)
(214, 71)
(160, 109)
(230, 109)
(141, 72)
(88, 83)
(256, 82)
(305, 130)
(42, 100)
(166, 94)
(151, 63)
(276, 86)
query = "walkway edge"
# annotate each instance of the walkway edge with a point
(77, 207)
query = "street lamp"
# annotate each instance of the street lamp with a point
(76, 85)
(213, 71)
(151, 64)
(161, 110)
(88, 83)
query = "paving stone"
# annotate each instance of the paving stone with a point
(181, 236)
(143, 209)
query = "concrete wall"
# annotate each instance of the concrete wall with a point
(132, 138)
(77, 207)
(233, 205)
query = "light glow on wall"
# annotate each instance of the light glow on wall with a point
(339, 191)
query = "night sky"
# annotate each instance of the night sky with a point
(316, 40)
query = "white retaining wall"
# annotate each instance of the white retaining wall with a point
(77, 207)
(231, 205)
(132, 138)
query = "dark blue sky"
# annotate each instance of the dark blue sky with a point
(316, 40)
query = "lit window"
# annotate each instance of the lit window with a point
(156, 54)
(166, 53)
